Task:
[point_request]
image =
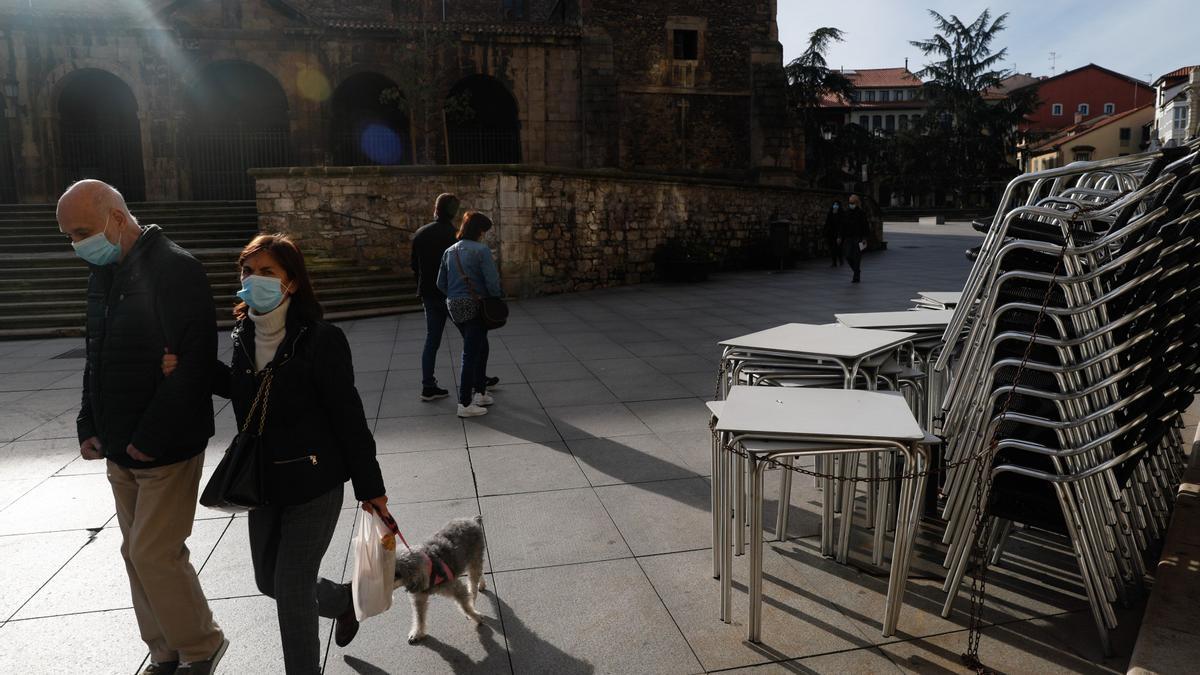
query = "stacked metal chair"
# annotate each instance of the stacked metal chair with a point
(1075, 352)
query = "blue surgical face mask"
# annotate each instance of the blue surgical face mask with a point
(836, 207)
(97, 249)
(853, 205)
(262, 294)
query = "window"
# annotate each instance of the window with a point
(864, 121)
(1056, 110)
(1126, 135)
(885, 95)
(869, 95)
(1110, 108)
(1083, 156)
(903, 122)
(890, 123)
(1082, 109)
(901, 95)
(686, 44)
(1180, 121)
(877, 122)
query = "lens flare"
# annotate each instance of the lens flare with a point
(312, 84)
(382, 145)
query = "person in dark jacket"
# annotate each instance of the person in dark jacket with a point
(147, 296)
(833, 233)
(855, 232)
(315, 432)
(428, 244)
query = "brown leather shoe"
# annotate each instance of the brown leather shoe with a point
(345, 627)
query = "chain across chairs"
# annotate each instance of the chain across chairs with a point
(1076, 360)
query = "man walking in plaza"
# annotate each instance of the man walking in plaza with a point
(855, 232)
(428, 244)
(146, 297)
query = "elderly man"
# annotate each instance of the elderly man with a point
(147, 296)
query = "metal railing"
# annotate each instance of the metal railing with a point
(374, 146)
(220, 160)
(484, 147)
(114, 157)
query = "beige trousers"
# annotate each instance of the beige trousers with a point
(155, 509)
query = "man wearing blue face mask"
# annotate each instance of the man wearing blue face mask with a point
(146, 297)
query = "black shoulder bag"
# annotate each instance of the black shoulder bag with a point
(239, 482)
(493, 311)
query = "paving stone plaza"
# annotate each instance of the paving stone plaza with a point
(592, 476)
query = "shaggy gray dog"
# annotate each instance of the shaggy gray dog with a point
(437, 566)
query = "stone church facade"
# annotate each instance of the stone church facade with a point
(178, 99)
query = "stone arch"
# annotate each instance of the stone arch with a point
(237, 116)
(482, 122)
(370, 122)
(98, 131)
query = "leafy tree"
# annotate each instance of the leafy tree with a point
(974, 136)
(810, 81)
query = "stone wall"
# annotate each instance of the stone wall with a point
(556, 230)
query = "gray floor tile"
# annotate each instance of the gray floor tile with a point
(95, 579)
(1020, 647)
(588, 391)
(31, 560)
(554, 370)
(663, 516)
(549, 528)
(628, 459)
(596, 618)
(11, 490)
(671, 415)
(37, 459)
(425, 476)
(408, 404)
(858, 661)
(527, 467)
(106, 642)
(60, 503)
(252, 627)
(596, 421)
(415, 434)
(506, 424)
(796, 620)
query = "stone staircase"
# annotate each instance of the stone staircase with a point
(43, 284)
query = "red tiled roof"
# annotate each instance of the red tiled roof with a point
(882, 77)
(1085, 126)
(1178, 72)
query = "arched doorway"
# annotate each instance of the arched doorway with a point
(237, 120)
(8, 174)
(481, 123)
(98, 132)
(370, 122)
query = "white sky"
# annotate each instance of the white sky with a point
(1140, 38)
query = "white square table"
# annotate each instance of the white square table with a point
(947, 299)
(815, 422)
(919, 320)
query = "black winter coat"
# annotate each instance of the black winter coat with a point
(316, 431)
(157, 298)
(855, 226)
(428, 245)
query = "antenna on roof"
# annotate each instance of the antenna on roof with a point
(1053, 62)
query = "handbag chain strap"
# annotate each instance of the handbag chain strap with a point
(466, 277)
(260, 402)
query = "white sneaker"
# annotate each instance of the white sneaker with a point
(472, 410)
(482, 400)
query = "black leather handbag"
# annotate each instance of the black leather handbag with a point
(239, 482)
(493, 310)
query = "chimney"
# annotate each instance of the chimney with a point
(906, 63)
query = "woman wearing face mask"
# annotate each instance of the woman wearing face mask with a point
(316, 434)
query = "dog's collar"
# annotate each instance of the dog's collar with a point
(439, 573)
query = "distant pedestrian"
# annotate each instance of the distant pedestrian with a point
(855, 232)
(468, 272)
(428, 244)
(148, 297)
(833, 233)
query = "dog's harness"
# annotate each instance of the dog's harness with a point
(439, 573)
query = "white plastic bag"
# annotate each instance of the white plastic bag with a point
(374, 566)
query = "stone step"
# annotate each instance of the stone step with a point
(57, 244)
(77, 283)
(70, 324)
(201, 224)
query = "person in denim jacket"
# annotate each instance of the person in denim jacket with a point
(468, 273)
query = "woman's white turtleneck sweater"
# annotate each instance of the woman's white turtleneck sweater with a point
(269, 330)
